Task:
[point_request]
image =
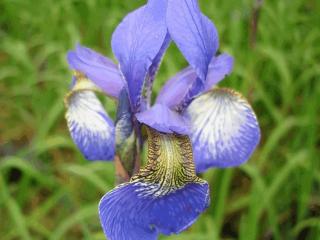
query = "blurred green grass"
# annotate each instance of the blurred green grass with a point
(48, 191)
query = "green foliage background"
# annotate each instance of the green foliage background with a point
(48, 191)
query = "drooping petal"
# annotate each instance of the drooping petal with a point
(90, 126)
(164, 197)
(175, 90)
(127, 213)
(136, 43)
(194, 34)
(163, 119)
(99, 69)
(122, 214)
(224, 130)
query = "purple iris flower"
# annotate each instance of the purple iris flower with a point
(192, 126)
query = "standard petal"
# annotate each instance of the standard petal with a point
(136, 43)
(164, 197)
(99, 69)
(194, 34)
(90, 126)
(224, 130)
(154, 68)
(163, 119)
(176, 88)
(219, 68)
(156, 61)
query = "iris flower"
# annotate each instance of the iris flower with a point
(192, 126)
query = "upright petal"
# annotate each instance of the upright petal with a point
(137, 41)
(154, 68)
(176, 89)
(224, 129)
(219, 67)
(164, 197)
(90, 126)
(163, 119)
(99, 69)
(194, 34)
(156, 61)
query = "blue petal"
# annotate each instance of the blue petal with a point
(136, 42)
(194, 34)
(177, 88)
(219, 67)
(154, 68)
(99, 69)
(165, 196)
(90, 127)
(161, 118)
(130, 213)
(156, 61)
(224, 131)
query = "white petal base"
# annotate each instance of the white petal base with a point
(90, 127)
(225, 130)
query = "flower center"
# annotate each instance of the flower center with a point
(170, 164)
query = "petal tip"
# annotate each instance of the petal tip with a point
(127, 213)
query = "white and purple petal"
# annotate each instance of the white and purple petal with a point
(164, 197)
(99, 69)
(137, 41)
(194, 34)
(90, 126)
(163, 119)
(224, 131)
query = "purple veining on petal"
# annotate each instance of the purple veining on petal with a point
(224, 131)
